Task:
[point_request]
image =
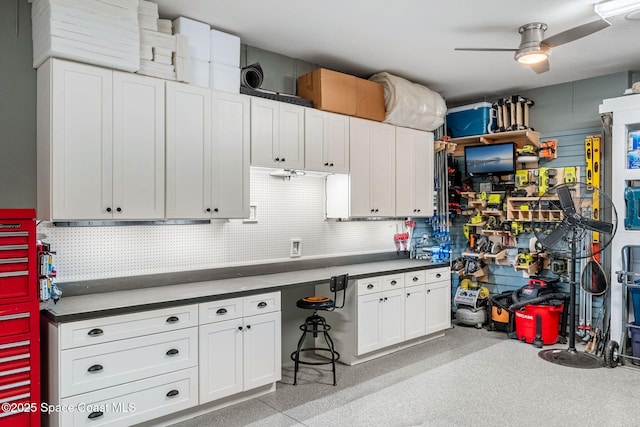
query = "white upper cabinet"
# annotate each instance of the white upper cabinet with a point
(326, 141)
(277, 134)
(414, 172)
(372, 168)
(207, 153)
(94, 125)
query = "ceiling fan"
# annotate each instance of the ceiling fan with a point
(534, 49)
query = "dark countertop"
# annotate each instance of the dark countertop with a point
(131, 298)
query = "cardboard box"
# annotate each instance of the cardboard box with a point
(343, 93)
(370, 100)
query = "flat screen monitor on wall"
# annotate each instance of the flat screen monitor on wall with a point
(490, 159)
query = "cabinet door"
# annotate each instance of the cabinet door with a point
(369, 323)
(438, 306)
(138, 147)
(291, 137)
(230, 158)
(326, 141)
(265, 129)
(262, 349)
(414, 172)
(392, 317)
(220, 359)
(415, 320)
(81, 141)
(188, 151)
(372, 168)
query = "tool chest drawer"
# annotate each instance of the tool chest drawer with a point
(438, 275)
(104, 365)
(134, 402)
(369, 286)
(412, 278)
(218, 311)
(14, 322)
(107, 329)
(17, 257)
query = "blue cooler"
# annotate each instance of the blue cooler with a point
(468, 120)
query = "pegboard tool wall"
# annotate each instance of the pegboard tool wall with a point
(285, 210)
(503, 278)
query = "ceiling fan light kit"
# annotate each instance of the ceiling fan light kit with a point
(607, 9)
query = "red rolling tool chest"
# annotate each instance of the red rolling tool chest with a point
(19, 320)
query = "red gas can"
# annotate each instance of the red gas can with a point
(549, 321)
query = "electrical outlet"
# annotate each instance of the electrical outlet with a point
(296, 248)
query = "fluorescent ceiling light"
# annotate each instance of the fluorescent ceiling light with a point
(610, 8)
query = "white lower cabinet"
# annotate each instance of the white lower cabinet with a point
(386, 313)
(239, 349)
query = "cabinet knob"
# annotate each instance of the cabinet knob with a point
(172, 319)
(376, 210)
(95, 414)
(248, 326)
(385, 298)
(331, 164)
(118, 209)
(108, 209)
(95, 332)
(438, 275)
(277, 159)
(282, 160)
(415, 278)
(326, 164)
(95, 368)
(208, 210)
(172, 352)
(428, 291)
(380, 300)
(215, 210)
(419, 210)
(373, 210)
(239, 328)
(173, 393)
(393, 283)
(408, 294)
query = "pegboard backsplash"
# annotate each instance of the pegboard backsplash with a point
(286, 210)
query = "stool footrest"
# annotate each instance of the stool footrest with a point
(305, 362)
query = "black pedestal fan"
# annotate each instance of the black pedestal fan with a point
(574, 221)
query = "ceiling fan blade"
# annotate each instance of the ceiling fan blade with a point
(575, 33)
(595, 225)
(555, 235)
(566, 201)
(484, 49)
(541, 67)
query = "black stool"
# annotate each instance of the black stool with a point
(317, 324)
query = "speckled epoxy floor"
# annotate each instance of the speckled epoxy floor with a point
(470, 377)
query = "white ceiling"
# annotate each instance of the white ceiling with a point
(415, 39)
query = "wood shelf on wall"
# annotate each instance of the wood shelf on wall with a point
(520, 137)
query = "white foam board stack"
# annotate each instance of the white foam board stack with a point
(197, 65)
(224, 65)
(159, 49)
(100, 32)
(148, 15)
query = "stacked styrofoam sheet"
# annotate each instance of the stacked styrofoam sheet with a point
(148, 15)
(224, 65)
(101, 32)
(198, 49)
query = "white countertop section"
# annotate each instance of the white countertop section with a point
(119, 302)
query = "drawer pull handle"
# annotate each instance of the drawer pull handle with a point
(221, 311)
(262, 304)
(95, 332)
(95, 414)
(95, 368)
(173, 319)
(393, 282)
(173, 393)
(415, 278)
(173, 352)
(438, 275)
(369, 286)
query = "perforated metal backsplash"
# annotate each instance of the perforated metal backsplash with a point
(286, 210)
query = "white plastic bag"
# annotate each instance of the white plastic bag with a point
(410, 104)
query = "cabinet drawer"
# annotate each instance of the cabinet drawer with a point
(104, 365)
(263, 303)
(218, 311)
(106, 329)
(438, 274)
(412, 278)
(134, 402)
(393, 281)
(14, 323)
(369, 286)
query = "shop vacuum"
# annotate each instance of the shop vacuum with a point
(540, 312)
